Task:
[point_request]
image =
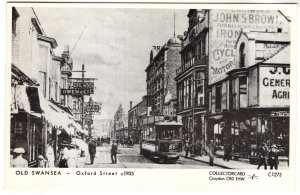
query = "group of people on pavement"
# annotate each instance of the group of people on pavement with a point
(265, 155)
(69, 155)
(17, 159)
(197, 148)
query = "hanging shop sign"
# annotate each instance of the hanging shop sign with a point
(274, 86)
(77, 92)
(82, 85)
(93, 108)
(224, 29)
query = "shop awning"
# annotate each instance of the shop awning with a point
(81, 144)
(56, 116)
(27, 99)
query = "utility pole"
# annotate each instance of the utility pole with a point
(82, 97)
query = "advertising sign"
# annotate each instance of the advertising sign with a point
(224, 29)
(274, 87)
(92, 108)
(76, 92)
(84, 85)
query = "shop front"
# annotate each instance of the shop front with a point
(246, 130)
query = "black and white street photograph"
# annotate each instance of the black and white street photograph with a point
(149, 88)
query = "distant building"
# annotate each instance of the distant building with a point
(120, 126)
(136, 115)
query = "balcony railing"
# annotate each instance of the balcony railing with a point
(191, 63)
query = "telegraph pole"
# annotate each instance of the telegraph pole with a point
(82, 97)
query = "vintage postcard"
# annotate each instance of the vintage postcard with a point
(187, 97)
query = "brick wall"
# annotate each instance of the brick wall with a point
(173, 62)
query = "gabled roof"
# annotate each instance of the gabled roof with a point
(281, 57)
(264, 36)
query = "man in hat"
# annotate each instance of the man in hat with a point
(92, 151)
(273, 157)
(262, 155)
(19, 161)
(113, 152)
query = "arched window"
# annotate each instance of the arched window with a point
(242, 55)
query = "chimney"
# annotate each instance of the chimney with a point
(66, 52)
(130, 104)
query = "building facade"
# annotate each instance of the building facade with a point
(192, 80)
(161, 87)
(251, 105)
(37, 117)
(136, 116)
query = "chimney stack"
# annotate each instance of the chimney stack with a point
(130, 104)
(66, 52)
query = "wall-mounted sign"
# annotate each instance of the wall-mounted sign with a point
(274, 86)
(77, 92)
(224, 29)
(280, 113)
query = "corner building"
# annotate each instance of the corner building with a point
(226, 88)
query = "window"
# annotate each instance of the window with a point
(15, 16)
(218, 97)
(243, 92)
(185, 93)
(43, 61)
(199, 89)
(42, 82)
(233, 94)
(242, 55)
(74, 105)
(189, 92)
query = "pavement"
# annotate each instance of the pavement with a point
(234, 164)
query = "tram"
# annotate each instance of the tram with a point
(163, 143)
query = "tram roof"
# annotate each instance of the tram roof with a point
(166, 123)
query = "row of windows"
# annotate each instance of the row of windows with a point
(155, 86)
(237, 95)
(191, 91)
(197, 52)
(155, 67)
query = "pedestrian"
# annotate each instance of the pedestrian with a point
(227, 151)
(50, 155)
(273, 157)
(63, 157)
(41, 161)
(73, 154)
(262, 155)
(187, 148)
(113, 152)
(92, 151)
(19, 161)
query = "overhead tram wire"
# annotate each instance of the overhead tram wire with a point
(78, 39)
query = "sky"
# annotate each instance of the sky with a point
(115, 46)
